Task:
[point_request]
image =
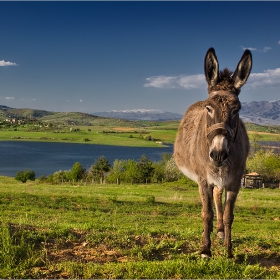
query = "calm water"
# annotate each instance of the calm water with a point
(46, 158)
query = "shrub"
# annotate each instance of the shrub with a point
(172, 173)
(266, 163)
(23, 176)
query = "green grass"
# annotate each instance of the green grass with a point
(96, 136)
(130, 231)
(110, 131)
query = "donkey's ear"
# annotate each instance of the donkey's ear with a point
(211, 67)
(243, 70)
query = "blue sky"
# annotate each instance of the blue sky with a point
(100, 56)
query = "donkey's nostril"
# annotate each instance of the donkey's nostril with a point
(218, 156)
(224, 156)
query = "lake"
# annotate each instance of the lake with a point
(46, 158)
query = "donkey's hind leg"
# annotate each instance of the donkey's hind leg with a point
(218, 193)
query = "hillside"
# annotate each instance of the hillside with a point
(261, 112)
(140, 114)
(64, 118)
(7, 112)
(265, 113)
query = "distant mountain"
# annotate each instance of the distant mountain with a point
(258, 112)
(261, 112)
(4, 107)
(7, 112)
(140, 114)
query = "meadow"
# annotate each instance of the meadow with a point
(130, 231)
(115, 132)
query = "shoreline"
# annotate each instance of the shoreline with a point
(150, 144)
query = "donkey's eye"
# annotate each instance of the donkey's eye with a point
(209, 109)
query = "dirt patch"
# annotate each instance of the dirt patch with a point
(262, 133)
(81, 252)
(124, 129)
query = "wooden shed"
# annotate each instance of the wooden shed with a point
(252, 180)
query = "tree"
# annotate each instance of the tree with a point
(145, 169)
(131, 171)
(61, 176)
(77, 172)
(99, 168)
(256, 138)
(23, 176)
(117, 172)
(159, 168)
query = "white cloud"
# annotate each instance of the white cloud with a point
(7, 63)
(268, 78)
(182, 81)
(265, 49)
(250, 49)
(278, 42)
(81, 100)
(9, 98)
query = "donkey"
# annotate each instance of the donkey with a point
(212, 145)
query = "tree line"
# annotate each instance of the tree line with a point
(121, 171)
(263, 161)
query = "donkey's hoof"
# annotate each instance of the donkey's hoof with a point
(205, 256)
(221, 235)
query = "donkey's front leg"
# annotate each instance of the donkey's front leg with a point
(218, 193)
(228, 220)
(206, 195)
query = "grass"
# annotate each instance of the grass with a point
(112, 131)
(55, 127)
(95, 136)
(130, 231)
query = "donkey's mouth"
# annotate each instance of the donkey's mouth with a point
(218, 163)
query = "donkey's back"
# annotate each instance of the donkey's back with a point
(188, 147)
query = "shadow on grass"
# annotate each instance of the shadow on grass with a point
(263, 259)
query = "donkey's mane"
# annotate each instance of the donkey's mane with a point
(224, 82)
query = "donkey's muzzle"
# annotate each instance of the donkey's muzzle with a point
(218, 157)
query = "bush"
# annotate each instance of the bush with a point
(23, 176)
(172, 173)
(266, 163)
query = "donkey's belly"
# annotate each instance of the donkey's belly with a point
(189, 173)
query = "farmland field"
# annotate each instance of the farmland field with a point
(130, 231)
(115, 132)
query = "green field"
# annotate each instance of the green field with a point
(113, 132)
(130, 231)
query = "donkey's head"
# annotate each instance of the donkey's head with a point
(222, 107)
